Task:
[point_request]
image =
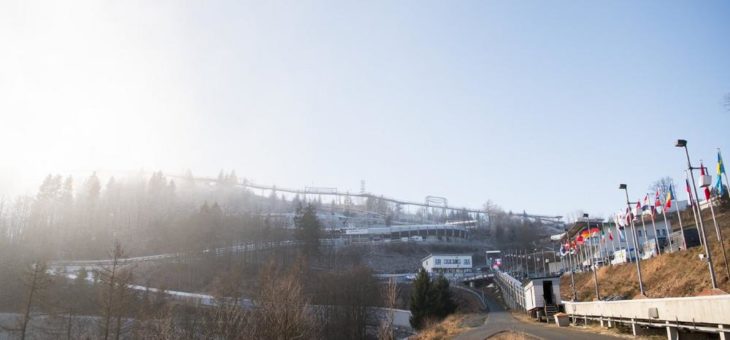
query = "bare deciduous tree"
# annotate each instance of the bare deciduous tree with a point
(282, 310)
(662, 185)
(116, 293)
(390, 297)
(36, 280)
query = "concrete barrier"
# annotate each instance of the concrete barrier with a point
(703, 309)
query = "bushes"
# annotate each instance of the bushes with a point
(430, 299)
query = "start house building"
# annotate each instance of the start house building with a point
(450, 265)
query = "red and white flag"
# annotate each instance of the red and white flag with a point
(689, 192)
(708, 194)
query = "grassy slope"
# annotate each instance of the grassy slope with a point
(669, 275)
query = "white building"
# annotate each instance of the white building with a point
(450, 265)
(541, 293)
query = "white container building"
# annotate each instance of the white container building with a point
(542, 295)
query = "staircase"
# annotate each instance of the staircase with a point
(550, 310)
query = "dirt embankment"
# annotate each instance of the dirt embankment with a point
(670, 275)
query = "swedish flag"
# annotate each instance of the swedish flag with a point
(720, 172)
(720, 166)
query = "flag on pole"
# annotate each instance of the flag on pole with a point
(603, 234)
(689, 192)
(707, 189)
(657, 201)
(629, 216)
(585, 233)
(718, 185)
(720, 166)
(720, 172)
(670, 197)
(621, 220)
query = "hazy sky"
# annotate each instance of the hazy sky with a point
(538, 105)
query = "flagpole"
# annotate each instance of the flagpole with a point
(636, 244)
(694, 212)
(681, 227)
(585, 254)
(593, 258)
(523, 261)
(542, 258)
(713, 279)
(615, 227)
(572, 269)
(656, 236)
(618, 231)
(666, 227)
(613, 246)
(643, 226)
(719, 238)
(623, 233)
(727, 181)
(719, 235)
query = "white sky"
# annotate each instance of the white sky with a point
(537, 106)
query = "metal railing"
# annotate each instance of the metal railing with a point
(512, 290)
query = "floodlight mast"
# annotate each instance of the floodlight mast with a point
(682, 143)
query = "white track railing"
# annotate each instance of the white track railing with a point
(512, 290)
(702, 313)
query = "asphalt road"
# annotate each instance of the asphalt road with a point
(500, 320)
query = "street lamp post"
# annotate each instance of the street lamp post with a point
(681, 143)
(636, 244)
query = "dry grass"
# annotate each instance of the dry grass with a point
(508, 335)
(669, 275)
(450, 327)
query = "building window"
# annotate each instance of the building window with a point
(438, 261)
(467, 262)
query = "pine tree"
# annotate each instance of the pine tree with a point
(430, 300)
(420, 302)
(308, 229)
(443, 304)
